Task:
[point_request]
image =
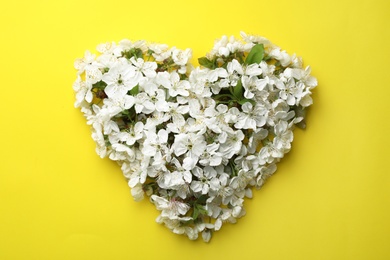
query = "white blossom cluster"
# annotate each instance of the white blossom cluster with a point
(196, 140)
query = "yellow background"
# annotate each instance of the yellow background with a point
(329, 199)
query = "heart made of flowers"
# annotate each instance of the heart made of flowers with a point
(196, 140)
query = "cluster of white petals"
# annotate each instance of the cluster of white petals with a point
(195, 140)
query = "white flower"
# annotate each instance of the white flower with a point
(181, 57)
(305, 99)
(137, 177)
(88, 61)
(281, 56)
(232, 144)
(278, 110)
(137, 192)
(269, 153)
(177, 227)
(232, 115)
(121, 152)
(118, 103)
(211, 156)
(83, 92)
(146, 68)
(302, 76)
(158, 48)
(194, 140)
(265, 172)
(177, 178)
(207, 179)
(156, 119)
(218, 44)
(177, 113)
(252, 70)
(268, 74)
(144, 104)
(198, 79)
(252, 86)
(170, 208)
(234, 70)
(252, 117)
(93, 75)
(283, 136)
(151, 100)
(192, 143)
(213, 75)
(131, 134)
(106, 47)
(177, 86)
(216, 118)
(255, 39)
(120, 79)
(155, 143)
(240, 181)
(255, 138)
(290, 92)
(90, 67)
(206, 235)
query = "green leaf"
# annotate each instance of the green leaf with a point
(99, 85)
(300, 112)
(237, 90)
(198, 210)
(239, 56)
(134, 52)
(202, 199)
(134, 91)
(203, 61)
(150, 52)
(202, 210)
(219, 96)
(195, 214)
(256, 55)
(266, 58)
(244, 100)
(302, 124)
(138, 53)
